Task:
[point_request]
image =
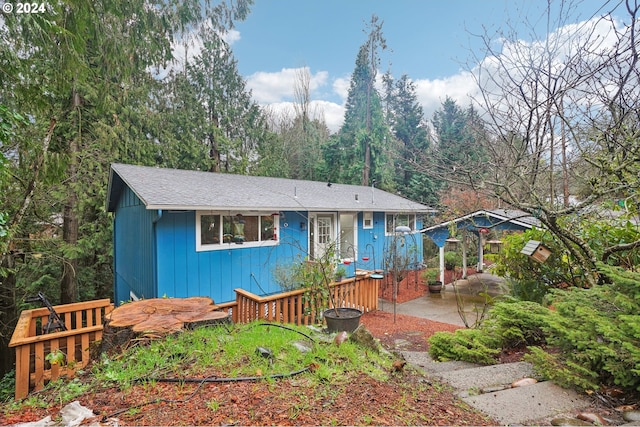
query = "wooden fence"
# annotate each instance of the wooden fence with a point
(294, 307)
(84, 323)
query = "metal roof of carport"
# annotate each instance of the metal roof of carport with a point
(500, 219)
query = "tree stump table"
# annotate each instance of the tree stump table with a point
(157, 317)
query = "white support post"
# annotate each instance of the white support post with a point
(480, 253)
(442, 264)
(464, 255)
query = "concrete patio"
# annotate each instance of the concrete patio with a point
(443, 306)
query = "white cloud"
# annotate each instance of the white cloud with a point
(271, 87)
(275, 91)
(328, 94)
(330, 112)
(341, 87)
(333, 113)
(432, 93)
(231, 36)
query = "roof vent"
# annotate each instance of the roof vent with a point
(356, 197)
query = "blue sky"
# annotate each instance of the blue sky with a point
(432, 41)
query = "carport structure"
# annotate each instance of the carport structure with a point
(478, 223)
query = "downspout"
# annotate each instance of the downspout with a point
(154, 242)
(158, 218)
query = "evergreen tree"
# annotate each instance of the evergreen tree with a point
(406, 118)
(359, 154)
(459, 152)
(81, 72)
(209, 121)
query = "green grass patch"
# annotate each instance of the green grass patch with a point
(247, 350)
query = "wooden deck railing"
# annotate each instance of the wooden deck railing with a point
(293, 307)
(84, 322)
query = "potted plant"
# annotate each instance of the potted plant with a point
(430, 275)
(340, 273)
(320, 294)
(451, 259)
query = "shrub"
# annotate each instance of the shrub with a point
(8, 386)
(517, 323)
(527, 289)
(597, 333)
(469, 345)
(510, 324)
(452, 259)
(592, 335)
(532, 279)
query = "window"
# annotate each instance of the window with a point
(397, 220)
(367, 220)
(224, 231)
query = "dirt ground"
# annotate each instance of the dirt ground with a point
(407, 399)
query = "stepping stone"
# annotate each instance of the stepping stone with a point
(522, 404)
(487, 376)
(422, 360)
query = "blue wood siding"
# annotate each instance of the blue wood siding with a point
(373, 243)
(133, 249)
(184, 272)
(155, 254)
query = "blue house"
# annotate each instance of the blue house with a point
(180, 233)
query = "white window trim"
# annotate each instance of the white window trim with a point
(412, 222)
(232, 245)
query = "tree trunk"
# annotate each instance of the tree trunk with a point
(366, 171)
(69, 282)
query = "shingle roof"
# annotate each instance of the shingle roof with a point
(193, 190)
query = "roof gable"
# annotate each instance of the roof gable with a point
(179, 189)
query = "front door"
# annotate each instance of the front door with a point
(323, 234)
